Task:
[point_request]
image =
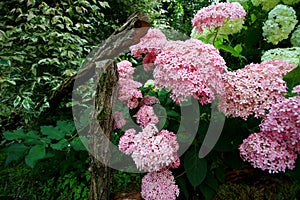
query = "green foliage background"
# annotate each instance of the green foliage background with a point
(42, 42)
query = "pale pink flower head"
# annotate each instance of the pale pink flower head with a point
(189, 68)
(154, 151)
(126, 142)
(283, 122)
(125, 69)
(128, 92)
(159, 185)
(119, 120)
(151, 45)
(267, 154)
(217, 15)
(254, 88)
(146, 116)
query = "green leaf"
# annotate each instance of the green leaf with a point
(220, 174)
(211, 182)
(5, 63)
(36, 153)
(238, 48)
(196, 168)
(292, 78)
(77, 144)
(15, 135)
(207, 191)
(15, 152)
(26, 103)
(52, 132)
(17, 101)
(66, 127)
(60, 145)
(173, 113)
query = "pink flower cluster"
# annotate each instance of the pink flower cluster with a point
(128, 88)
(151, 150)
(217, 15)
(146, 116)
(275, 148)
(189, 68)
(296, 89)
(283, 123)
(254, 88)
(151, 45)
(266, 153)
(159, 185)
(149, 101)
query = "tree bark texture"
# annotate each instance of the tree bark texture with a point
(101, 66)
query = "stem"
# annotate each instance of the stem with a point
(180, 174)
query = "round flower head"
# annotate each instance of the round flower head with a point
(151, 45)
(154, 150)
(290, 54)
(126, 143)
(230, 15)
(146, 116)
(295, 39)
(190, 69)
(254, 88)
(267, 154)
(281, 21)
(125, 69)
(266, 4)
(290, 2)
(283, 122)
(159, 185)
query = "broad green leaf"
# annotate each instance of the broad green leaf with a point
(15, 152)
(195, 168)
(36, 153)
(292, 78)
(15, 135)
(220, 174)
(60, 145)
(238, 48)
(52, 132)
(77, 144)
(211, 181)
(66, 127)
(173, 113)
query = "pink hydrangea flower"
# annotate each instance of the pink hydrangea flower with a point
(267, 154)
(125, 69)
(128, 88)
(119, 120)
(254, 88)
(189, 68)
(149, 101)
(126, 142)
(146, 116)
(151, 45)
(159, 185)
(283, 122)
(217, 15)
(154, 151)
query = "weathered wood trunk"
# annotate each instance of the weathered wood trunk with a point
(101, 127)
(101, 66)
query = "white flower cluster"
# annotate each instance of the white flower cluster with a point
(290, 54)
(266, 4)
(281, 21)
(290, 2)
(295, 39)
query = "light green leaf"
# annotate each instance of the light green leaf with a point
(17, 101)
